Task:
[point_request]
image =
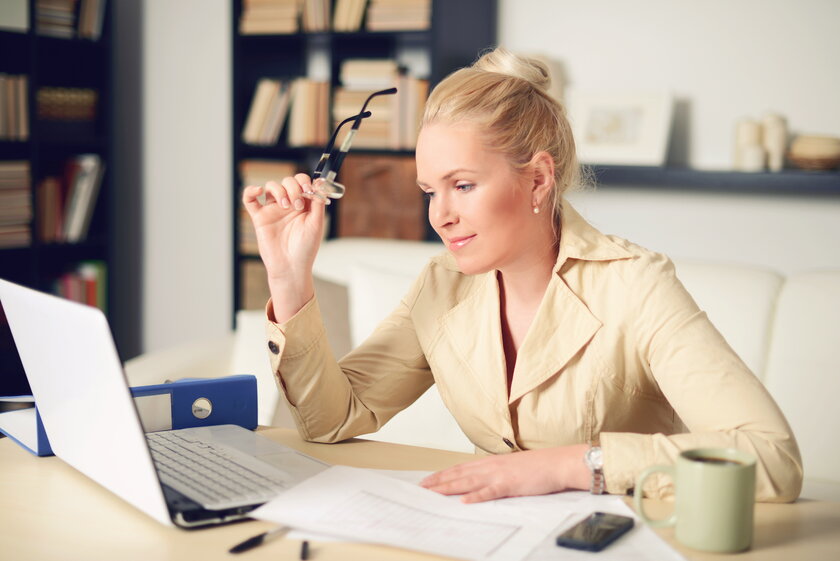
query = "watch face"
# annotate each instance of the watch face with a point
(595, 458)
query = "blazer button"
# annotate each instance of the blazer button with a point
(272, 346)
(509, 443)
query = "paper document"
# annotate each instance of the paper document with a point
(361, 505)
(565, 509)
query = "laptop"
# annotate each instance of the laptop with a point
(89, 415)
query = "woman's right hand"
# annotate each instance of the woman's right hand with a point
(289, 230)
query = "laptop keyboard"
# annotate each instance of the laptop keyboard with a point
(216, 477)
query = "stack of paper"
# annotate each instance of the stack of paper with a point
(360, 505)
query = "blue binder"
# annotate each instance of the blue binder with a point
(24, 426)
(186, 403)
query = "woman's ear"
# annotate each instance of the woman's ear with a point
(542, 165)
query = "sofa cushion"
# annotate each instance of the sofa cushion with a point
(803, 372)
(250, 356)
(337, 257)
(740, 301)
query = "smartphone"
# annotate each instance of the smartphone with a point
(595, 532)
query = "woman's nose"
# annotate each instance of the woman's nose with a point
(441, 211)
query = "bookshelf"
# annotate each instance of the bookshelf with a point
(457, 31)
(63, 115)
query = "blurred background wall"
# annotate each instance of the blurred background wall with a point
(722, 59)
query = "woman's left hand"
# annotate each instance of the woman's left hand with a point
(533, 472)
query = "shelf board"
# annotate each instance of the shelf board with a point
(786, 182)
(419, 35)
(277, 151)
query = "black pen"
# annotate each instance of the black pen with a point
(304, 550)
(253, 542)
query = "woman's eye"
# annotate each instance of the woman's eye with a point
(428, 195)
(465, 187)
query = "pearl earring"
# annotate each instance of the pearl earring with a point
(536, 209)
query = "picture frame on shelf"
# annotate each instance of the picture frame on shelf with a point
(621, 127)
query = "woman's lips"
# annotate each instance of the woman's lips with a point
(458, 243)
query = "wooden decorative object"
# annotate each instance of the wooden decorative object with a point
(382, 198)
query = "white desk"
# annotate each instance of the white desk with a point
(50, 511)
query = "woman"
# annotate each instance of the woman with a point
(581, 352)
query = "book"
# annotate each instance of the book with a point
(267, 17)
(253, 289)
(307, 117)
(14, 119)
(15, 204)
(316, 15)
(86, 283)
(394, 120)
(91, 16)
(56, 18)
(349, 15)
(368, 73)
(85, 176)
(276, 117)
(259, 172)
(268, 112)
(398, 15)
(260, 103)
(14, 15)
(22, 107)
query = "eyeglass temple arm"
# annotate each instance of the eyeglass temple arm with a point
(348, 140)
(329, 148)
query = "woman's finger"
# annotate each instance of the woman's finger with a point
(486, 493)
(278, 193)
(457, 486)
(304, 181)
(250, 198)
(295, 192)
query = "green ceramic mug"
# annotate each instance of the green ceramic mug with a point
(715, 499)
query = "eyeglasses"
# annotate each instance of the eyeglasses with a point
(331, 159)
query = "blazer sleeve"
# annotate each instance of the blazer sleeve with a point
(720, 401)
(334, 400)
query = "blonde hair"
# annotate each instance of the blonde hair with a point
(506, 96)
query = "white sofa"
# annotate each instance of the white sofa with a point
(785, 328)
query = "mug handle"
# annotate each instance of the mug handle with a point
(638, 492)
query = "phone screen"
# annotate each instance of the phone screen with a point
(595, 532)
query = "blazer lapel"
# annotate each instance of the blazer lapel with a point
(562, 327)
(473, 331)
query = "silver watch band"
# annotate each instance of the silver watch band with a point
(594, 460)
(597, 487)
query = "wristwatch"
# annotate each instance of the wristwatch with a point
(594, 460)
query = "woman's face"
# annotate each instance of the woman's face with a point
(479, 205)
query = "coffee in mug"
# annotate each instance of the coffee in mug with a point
(715, 499)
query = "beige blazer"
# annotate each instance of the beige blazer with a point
(618, 353)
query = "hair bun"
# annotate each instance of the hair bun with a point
(503, 61)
